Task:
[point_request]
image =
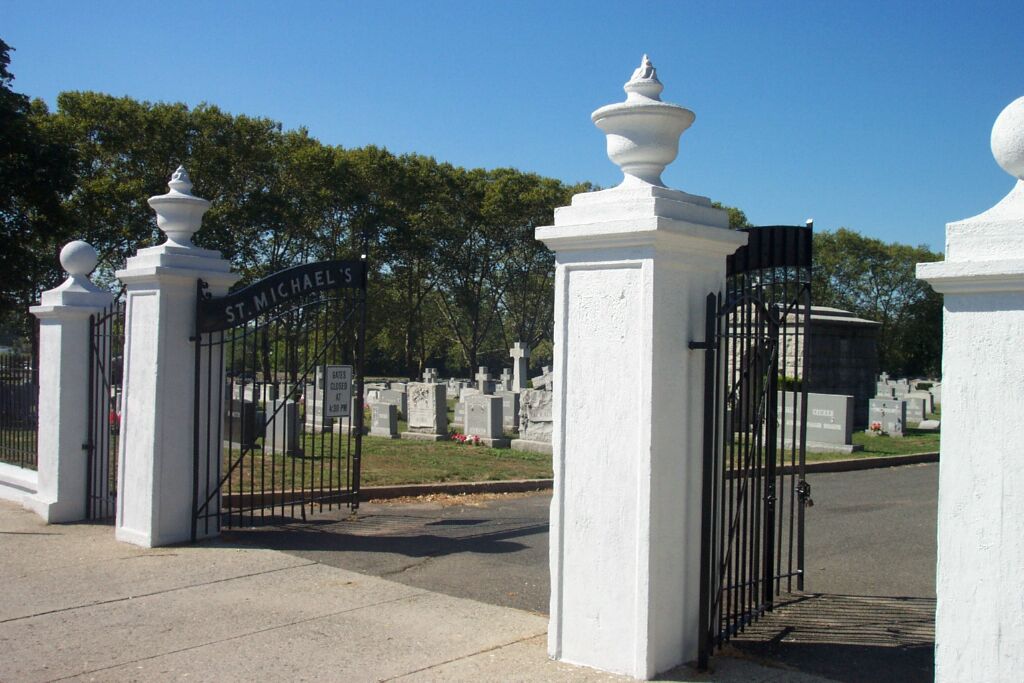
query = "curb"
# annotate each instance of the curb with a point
(368, 493)
(869, 463)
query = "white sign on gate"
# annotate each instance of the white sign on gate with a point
(337, 390)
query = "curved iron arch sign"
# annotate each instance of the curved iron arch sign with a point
(223, 313)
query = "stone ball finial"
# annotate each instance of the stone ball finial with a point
(1008, 138)
(78, 258)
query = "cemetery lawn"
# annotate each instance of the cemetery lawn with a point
(914, 441)
(398, 461)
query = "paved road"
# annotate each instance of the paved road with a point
(870, 533)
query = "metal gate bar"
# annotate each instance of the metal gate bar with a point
(106, 351)
(752, 521)
(258, 463)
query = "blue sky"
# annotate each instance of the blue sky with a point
(870, 115)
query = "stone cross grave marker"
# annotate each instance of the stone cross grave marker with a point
(483, 380)
(506, 379)
(520, 354)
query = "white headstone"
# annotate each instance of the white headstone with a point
(428, 412)
(520, 354)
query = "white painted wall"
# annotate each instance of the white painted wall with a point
(979, 628)
(155, 462)
(633, 267)
(63, 314)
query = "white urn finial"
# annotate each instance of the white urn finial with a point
(1008, 138)
(178, 213)
(643, 132)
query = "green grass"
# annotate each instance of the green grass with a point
(913, 441)
(395, 461)
(384, 462)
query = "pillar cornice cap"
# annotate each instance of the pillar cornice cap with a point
(973, 277)
(641, 216)
(175, 264)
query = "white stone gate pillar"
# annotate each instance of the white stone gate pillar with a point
(155, 463)
(63, 314)
(979, 622)
(634, 265)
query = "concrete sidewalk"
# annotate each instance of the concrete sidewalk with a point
(81, 606)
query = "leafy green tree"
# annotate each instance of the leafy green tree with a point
(35, 173)
(876, 280)
(737, 219)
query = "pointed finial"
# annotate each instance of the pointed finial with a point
(180, 182)
(645, 72)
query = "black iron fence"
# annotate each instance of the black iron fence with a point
(19, 409)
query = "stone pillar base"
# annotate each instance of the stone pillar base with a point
(532, 446)
(420, 436)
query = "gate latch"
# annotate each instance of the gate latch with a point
(803, 491)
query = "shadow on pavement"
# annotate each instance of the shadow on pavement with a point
(396, 534)
(848, 638)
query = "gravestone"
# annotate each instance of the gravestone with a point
(915, 409)
(509, 409)
(829, 421)
(520, 354)
(428, 412)
(889, 414)
(343, 425)
(483, 381)
(399, 386)
(545, 380)
(884, 390)
(535, 421)
(314, 407)
(902, 388)
(397, 398)
(384, 420)
(430, 375)
(240, 423)
(483, 420)
(505, 381)
(282, 430)
(929, 401)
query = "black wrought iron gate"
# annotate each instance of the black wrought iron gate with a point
(278, 396)
(754, 492)
(106, 361)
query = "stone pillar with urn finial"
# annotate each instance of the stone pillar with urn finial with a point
(633, 266)
(155, 463)
(979, 627)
